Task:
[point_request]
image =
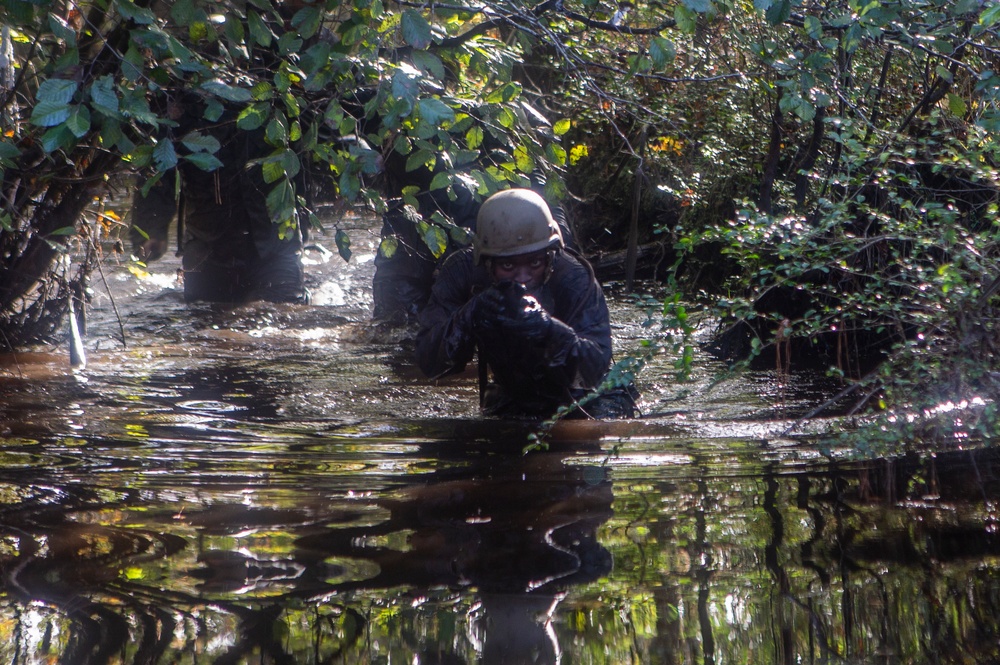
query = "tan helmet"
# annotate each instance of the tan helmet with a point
(514, 222)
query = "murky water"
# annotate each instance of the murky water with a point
(272, 484)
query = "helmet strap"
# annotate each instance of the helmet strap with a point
(550, 261)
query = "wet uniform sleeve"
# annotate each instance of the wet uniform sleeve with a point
(445, 342)
(578, 348)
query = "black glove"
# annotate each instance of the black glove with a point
(528, 320)
(487, 308)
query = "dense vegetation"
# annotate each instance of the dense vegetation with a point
(822, 173)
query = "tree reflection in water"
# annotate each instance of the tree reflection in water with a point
(279, 547)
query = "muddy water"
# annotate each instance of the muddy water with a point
(269, 484)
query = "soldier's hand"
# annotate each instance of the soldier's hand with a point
(488, 308)
(529, 320)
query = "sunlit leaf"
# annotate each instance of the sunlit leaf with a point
(416, 29)
(253, 116)
(474, 137)
(441, 181)
(387, 248)
(429, 63)
(562, 126)
(344, 244)
(436, 240)
(523, 160)
(435, 111)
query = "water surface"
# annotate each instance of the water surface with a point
(278, 484)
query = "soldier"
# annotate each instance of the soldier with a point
(231, 250)
(534, 311)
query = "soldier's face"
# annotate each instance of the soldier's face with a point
(526, 269)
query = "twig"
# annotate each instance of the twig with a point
(111, 297)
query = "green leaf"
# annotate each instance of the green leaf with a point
(441, 181)
(685, 19)
(474, 137)
(259, 31)
(132, 64)
(428, 63)
(944, 73)
(234, 29)
(182, 12)
(141, 157)
(164, 155)
(700, 6)
(57, 91)
(436, 240)
(290, 163)
(134, 105)
(435, 111)
(276, 133)
(307, 21)
(505, 93)
(991, 16)
(225, 91)
(523, 160)
(49, 114)
(957, 105)
(253, 116)
(103, 97)
(58, 138)
(79, 121)
(204, 161)
(214, 111)
(343, 244)
(129, 10)
(387, 248)
(779, 12)
(8, 154)
(662, 51)
(198, 142)
(814, 28)
(419, 158)
(62, 30)
(416, 29)
(405, 86)
(556, 154)
(281, 202)
(289, 43)
(562, 126)
(272, 169)
(349, 185)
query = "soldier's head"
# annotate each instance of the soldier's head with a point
(516, 237)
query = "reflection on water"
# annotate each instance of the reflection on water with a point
(277, 485)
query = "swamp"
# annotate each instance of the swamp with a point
(278, 484)
(792, 208)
